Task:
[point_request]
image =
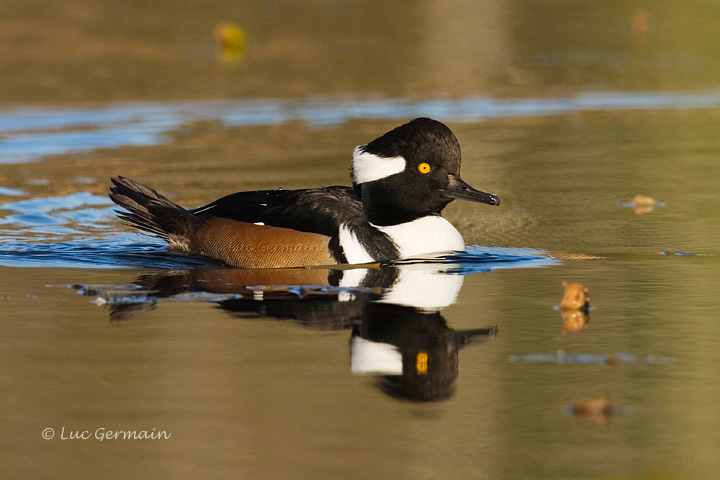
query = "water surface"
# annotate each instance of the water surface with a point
(450, 367)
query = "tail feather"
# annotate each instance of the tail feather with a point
(149, 211)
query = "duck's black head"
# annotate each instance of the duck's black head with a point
(410, 172)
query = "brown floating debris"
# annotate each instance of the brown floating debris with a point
(642, 204)
(575, 307)
(596, 410)
(576, 296)
(575, 320)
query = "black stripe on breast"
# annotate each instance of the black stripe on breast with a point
(376, 243)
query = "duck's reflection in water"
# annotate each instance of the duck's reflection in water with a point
(413, 352)
(398, 333)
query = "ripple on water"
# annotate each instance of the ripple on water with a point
(55, 218)
(11, 192)
(112, 252)
(74, 231)
(129, 250)
(49, 204)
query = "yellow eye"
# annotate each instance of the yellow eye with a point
(422, 361)
(424, 168)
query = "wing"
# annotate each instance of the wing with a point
(320, 210)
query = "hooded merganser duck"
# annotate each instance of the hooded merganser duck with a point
(401, 182)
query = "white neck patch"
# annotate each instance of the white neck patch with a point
(368, 167)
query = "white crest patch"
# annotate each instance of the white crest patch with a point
(368, 167)
(374, 358)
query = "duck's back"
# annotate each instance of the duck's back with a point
(320, 210)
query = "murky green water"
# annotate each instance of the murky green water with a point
(566, 111)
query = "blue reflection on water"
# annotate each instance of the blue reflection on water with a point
(51, 217)
(113, 252)
(28, 134)
(73, 231)
(11, 192)
(478, 258)
(28, 146)
(49, 204)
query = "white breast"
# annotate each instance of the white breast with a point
(430, 234)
